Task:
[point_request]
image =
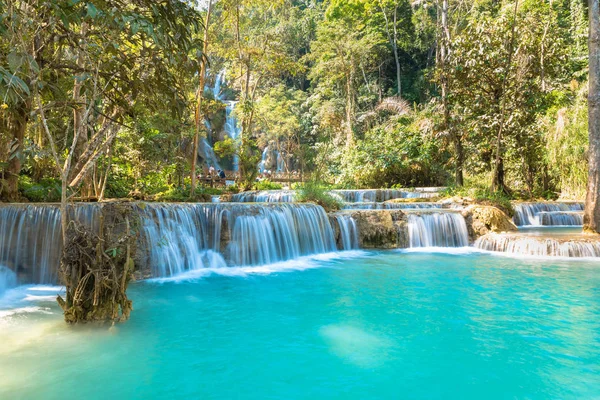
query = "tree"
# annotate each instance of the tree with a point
(199, 96)
(592, 204)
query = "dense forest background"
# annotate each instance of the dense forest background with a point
(109, 99)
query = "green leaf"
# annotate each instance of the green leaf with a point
(92, 11)
(15, 61)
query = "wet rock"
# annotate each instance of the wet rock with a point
(482, 220)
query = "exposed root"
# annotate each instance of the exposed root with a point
(96, 269)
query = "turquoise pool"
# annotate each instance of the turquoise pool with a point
(367, 325)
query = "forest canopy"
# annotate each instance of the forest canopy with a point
(110, 99)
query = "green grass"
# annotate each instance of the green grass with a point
(314, 192)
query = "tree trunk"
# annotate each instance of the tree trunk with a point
(498, 173)
(200, 95)
(460, 160)
(17, 125)
(349, 106)
(591, 217)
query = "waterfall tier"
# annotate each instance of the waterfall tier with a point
(547, 213)
(538, 246)
(348, 231)
(265, 196)
(437, 229)
(560, 218)
(363, 199)
(31, 239)
(381, 195)
(183, 237)
(390, 206)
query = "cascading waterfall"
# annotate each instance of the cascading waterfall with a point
(528, 214)
(437, 229)
(265, 196)
(390, 206)
(379, 195)
(348, 232)
(31, 239)
(560, 218)
(353, 199)
(184, 237)
(537, 246)
(8, 279)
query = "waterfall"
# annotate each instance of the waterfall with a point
(537, 246)
(379, 195)
(437, 229)
(560, 218)
(348, 232)
(31, 239)
(8, 279)
(389, 206)
(183, 237)
(265, 196)
(528, 214)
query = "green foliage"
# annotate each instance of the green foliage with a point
(567, 141)
(316, 192)
(315, 80)
(401, 152)
(267, 185)
(45, 190)
(482, 195)
(178, 194)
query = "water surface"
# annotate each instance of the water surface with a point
(378, 325)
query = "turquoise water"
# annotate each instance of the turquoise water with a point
(381, 325)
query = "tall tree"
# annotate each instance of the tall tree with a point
(592, 204)
(199, 96)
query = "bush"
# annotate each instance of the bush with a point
(314, 192)
(47, 190)
(483, 196)
(267, 185)
(178, 194)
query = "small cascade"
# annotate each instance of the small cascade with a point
(379, 195)
(390, 206)
(528, 214)
(8, 279)
(265, 196)
(348, 232)
(31, 239)
(560, 218)
(183, 237)
(538, 246)
(437, 229)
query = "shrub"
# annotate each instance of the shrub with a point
(314, 192)
(267, 185)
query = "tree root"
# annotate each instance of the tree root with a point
(96, 269)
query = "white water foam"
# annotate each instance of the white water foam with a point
(299, 264)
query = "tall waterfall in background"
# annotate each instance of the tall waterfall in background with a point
(186, 236)
(548, 214)
(437, 229)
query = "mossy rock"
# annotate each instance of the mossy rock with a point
(376, 229)
(482, 219)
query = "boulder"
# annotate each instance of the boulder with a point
(482, 220)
